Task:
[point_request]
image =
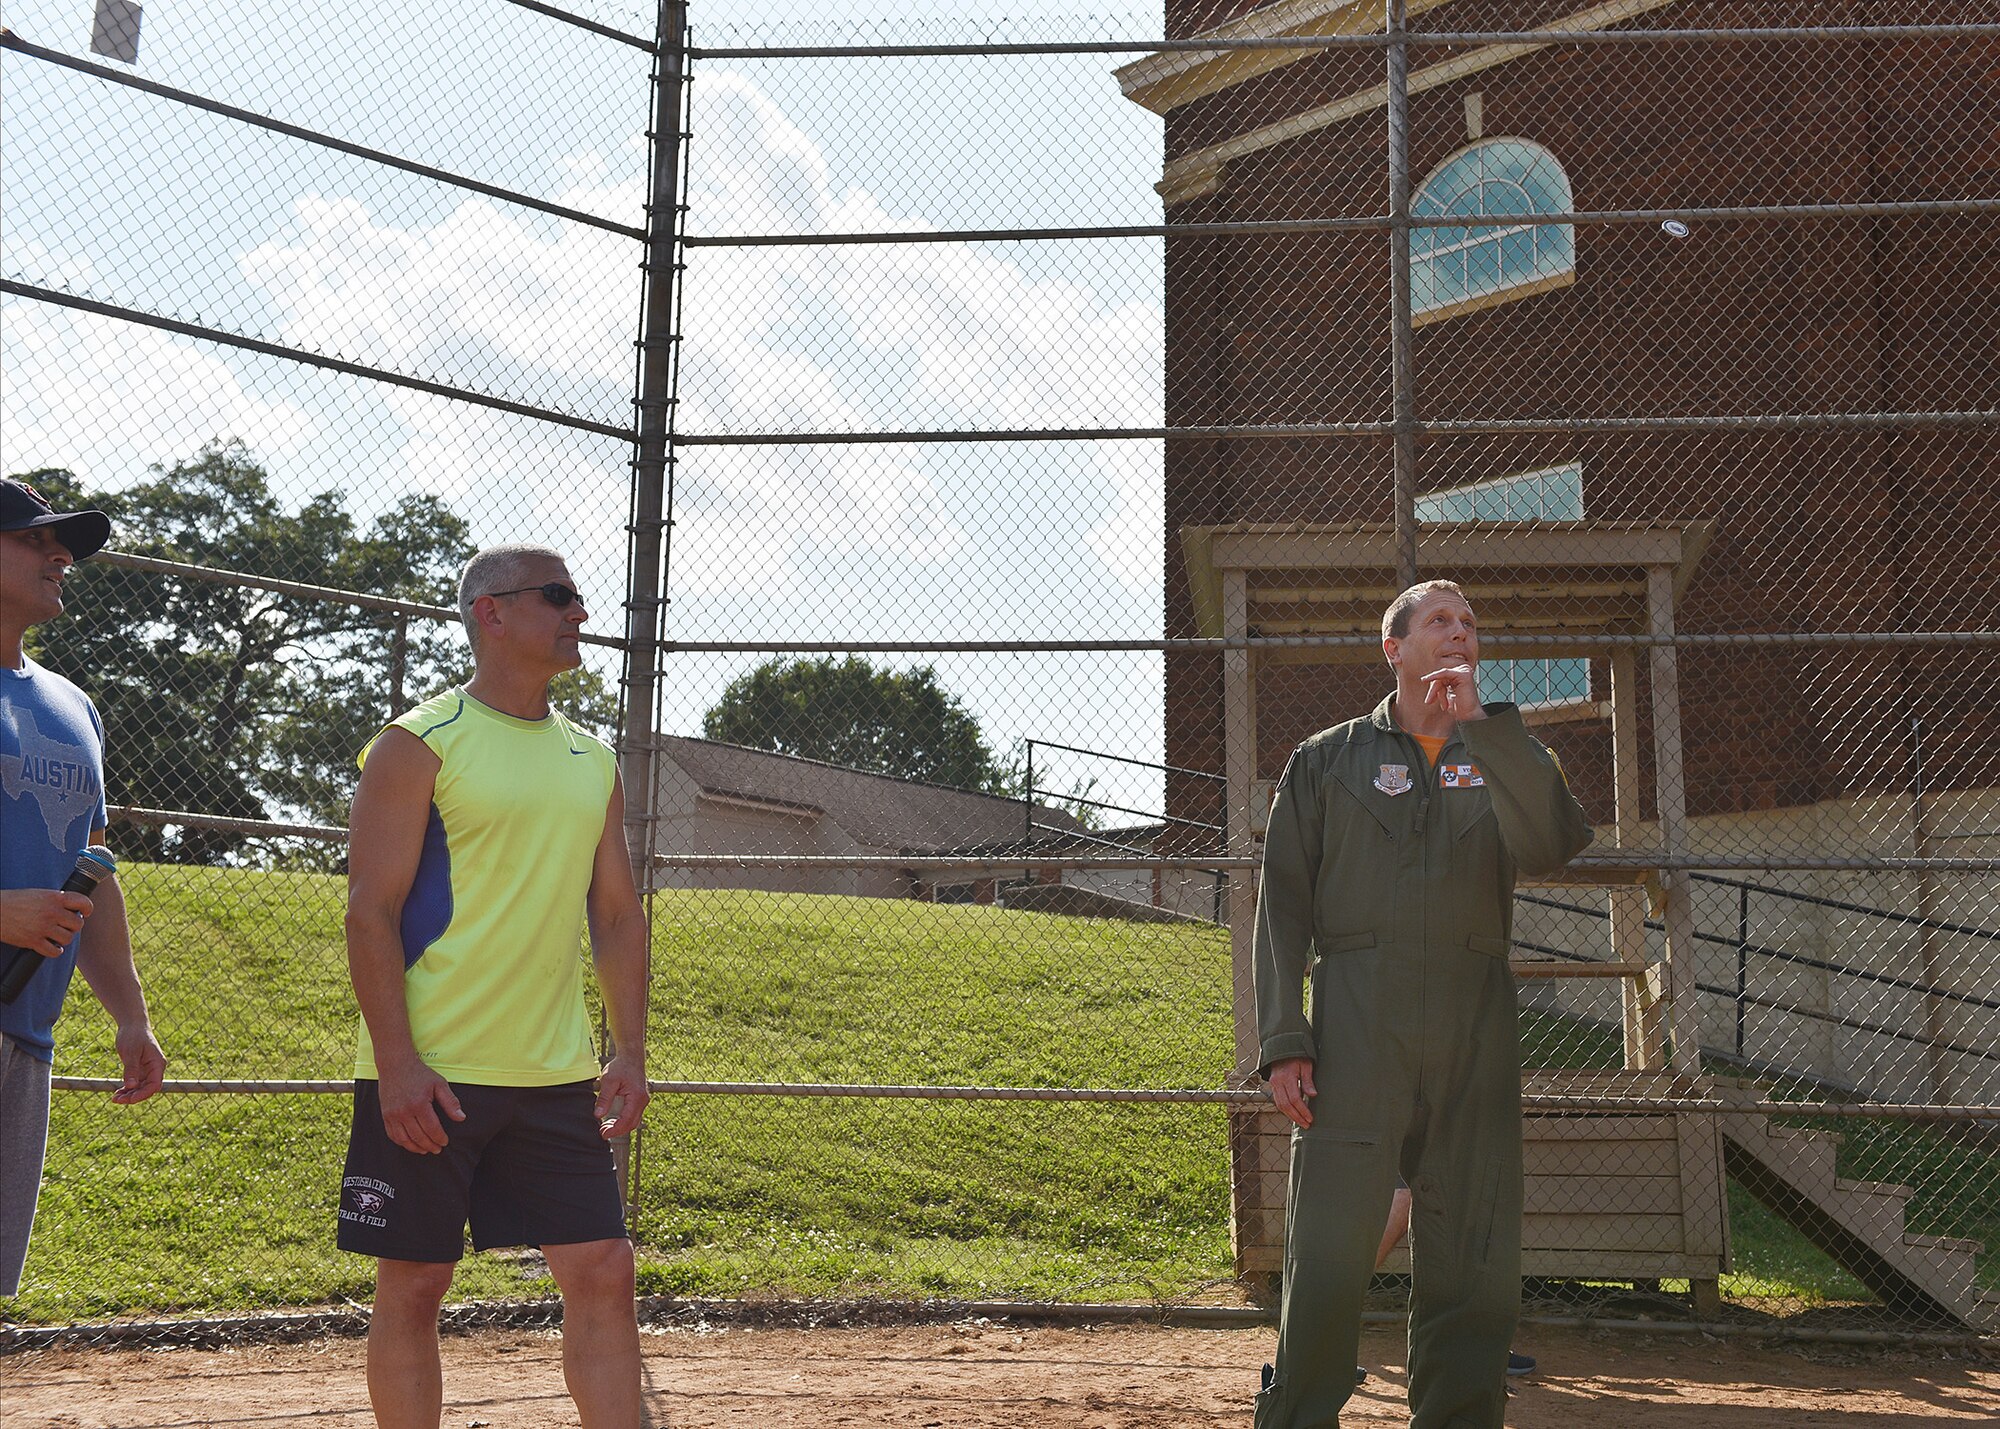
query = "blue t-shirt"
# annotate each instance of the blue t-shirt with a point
(51, 800)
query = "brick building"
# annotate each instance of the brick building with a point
(1848, 750)
(1854, 530)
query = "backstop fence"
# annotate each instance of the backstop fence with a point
(986, 450)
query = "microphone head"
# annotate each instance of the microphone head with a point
(96, 863)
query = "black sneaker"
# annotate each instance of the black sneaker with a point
(1360, 1375)
(1520, 1364)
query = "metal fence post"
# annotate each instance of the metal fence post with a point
(1402, 334)
(652, 455)
(651, 461)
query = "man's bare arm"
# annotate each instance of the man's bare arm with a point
(620, 948)
(104, 957)
(385, 841)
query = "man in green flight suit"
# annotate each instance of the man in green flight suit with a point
(1388, 879)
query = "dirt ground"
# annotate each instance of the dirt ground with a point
(983, 1375)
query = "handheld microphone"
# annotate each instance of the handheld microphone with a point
(18, 965)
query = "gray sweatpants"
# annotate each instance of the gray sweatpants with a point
(24, 1140)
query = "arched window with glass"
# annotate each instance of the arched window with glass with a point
(1460, 270)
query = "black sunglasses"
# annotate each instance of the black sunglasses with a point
(554, 592)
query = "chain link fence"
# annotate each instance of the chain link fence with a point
(988, 448)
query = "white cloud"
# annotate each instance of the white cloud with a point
(105, 398)
(792, 339)
(892, 337)
(503, 301)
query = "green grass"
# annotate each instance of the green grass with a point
(222, 1202)
(202, 1202)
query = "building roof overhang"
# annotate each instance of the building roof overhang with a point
(1528, 578)
(1167, 79)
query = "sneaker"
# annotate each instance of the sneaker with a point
(1520, 1364)
(1360, 1375)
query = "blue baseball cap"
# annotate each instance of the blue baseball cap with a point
(22, 507)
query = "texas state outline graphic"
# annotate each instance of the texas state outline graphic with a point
(60, 778)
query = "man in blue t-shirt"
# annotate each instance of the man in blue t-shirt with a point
(51, 808)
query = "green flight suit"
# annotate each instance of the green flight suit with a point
(1392, 885)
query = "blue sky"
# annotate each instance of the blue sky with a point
(137, 200)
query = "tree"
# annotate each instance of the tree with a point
(848, 712)
(222, 699)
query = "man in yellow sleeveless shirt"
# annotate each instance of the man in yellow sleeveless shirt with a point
(485, 829)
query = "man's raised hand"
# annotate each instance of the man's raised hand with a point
(1455, 690)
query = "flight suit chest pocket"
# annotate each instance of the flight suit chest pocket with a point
(1469, 811)
(1376, 801)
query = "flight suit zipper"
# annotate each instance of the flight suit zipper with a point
(1431, 775)
(1422, 761)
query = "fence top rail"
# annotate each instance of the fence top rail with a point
(128, 561)
(996, 863)
(1532, 1103)
(112, 75)
(1375, 41)
(1292, 431)
(1216, 643)
(1585, 865)
(1151, 817)
(266, 828)
(581, 22)
(63, 297)
(1635, 860)
(1363, 223)
(1121, 758)
(1607, 641)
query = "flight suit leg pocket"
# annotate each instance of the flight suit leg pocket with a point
(1487, 1210)
(1331, 1174)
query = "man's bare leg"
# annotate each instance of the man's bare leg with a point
(600, 1331)
(1392, 1236)
(405, 1379)
(1393, 1231)
(1398, 1225)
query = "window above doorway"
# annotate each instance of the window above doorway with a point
(1552, 493)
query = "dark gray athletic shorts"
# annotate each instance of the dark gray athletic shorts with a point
(525, 1167)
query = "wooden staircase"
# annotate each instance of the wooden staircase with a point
(1858, 1223)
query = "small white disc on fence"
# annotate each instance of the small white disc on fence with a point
(1674, 228)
